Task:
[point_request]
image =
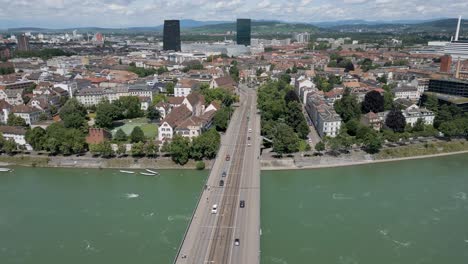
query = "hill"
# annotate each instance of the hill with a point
(258, 28)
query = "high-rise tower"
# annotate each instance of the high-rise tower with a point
(243, 31)
(171, 38)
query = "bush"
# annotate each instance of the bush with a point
(200, 165)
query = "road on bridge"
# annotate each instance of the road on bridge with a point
(210, 237)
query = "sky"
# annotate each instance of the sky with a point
(126, 13)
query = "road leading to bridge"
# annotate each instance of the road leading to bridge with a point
(210, 237)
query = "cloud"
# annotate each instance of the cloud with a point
(123, 13)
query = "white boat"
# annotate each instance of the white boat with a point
(4, 169)
(147, 174)
(129, 172)
(150, 171)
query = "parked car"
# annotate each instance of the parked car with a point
(242, 204)
(221, 183)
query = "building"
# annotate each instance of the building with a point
(413, 114)
(445, 63)
(449, 86)
(406, 92)
(303, 37)
(326, 121)
(23, 43)
(97, 135)
(373, 120)
(243, 31)
(173, 119)
(12, 96)
(18, 134)
(171, 37)
(30, 114)
(184, 87)
(457, 48)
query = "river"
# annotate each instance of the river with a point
(50, 216)
(399, 212)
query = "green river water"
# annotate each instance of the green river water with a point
(401, 212)
(55, 216)
(408, 212)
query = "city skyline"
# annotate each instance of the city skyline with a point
(128, 13)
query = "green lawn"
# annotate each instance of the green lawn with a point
(150, 129)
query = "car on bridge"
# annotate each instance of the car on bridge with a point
(221, 183)
(214, 210)
(236, 242)
(223, 174)
(228, 157)
(242, 203)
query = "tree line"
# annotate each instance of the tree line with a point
(283, 121)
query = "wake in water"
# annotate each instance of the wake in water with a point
(340, 196)
(384, 232)
(402, 244)
(460, 196)
(88, 246)
(131, 195)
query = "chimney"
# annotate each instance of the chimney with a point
(458, 28)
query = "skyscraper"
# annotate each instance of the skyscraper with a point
(23, 43)
(171, 38)
(243, 32)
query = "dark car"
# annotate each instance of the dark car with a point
(228, 157)
(242, 204)
(221, 183)
(224, 174)
(248, 138)
(236, 242)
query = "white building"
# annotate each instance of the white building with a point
(407, 92)
(17, 134)
(412, 114)
(326, 121)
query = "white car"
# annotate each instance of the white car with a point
(214, 210)
(250, 130)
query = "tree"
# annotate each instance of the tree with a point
(220, 119)
(373, 102)
(396, 120)
(129, 106)
(291, 96)
(138, 149)
(120, 135)
(295, 118)
(36, 137)
(95, 149)
(372, 142)
(121, 149)
(285, 140)
(320, 146)
(352, 127)
(180, 149)
(73, 114)
(166, 147)
(348, 107)
(137, 135)
(106, 149)
(160, 97)
(153, 113)
(169, 86)
(418, 126)
(431, 102)
(14, 120)
(106, 113)
(200, 165)
(388, 100)
(10, 146)
(151, 149)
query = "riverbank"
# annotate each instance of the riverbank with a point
(94, 162)
(416, 151)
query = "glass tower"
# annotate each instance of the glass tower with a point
(243, 32)
(171, 38)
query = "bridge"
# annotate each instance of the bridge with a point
(212, 236)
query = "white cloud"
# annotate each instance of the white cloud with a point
(69, 13)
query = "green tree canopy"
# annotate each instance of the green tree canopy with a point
(73, 114)
(137, 135)
(180, 149)
(396, 120)
(120, 135)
